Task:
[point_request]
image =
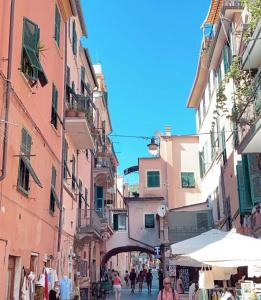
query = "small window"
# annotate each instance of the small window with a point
(82, 80)
(54, 107)
(65, 159)
(23, 173)
(187, 179)
(74, 41)
(73, 173)
(57, 26)
(119, 221)
(80, 193)
(149, 221)
(53, 197)
(153, 179)
(33, 263)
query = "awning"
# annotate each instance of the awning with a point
(57, 201)
(31, 171)
(223, 249)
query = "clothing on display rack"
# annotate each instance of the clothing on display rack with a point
(205, 280)
(65, 288)
(27, 290)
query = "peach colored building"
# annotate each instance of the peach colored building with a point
(32, 91)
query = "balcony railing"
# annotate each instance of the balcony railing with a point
(80, 106)
(89, 221)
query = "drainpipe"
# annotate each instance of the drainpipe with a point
(63, 140)
(91, 208)
(8, 91)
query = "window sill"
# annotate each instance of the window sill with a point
(153, 188)
(55, 130)
(26, 83)
(23, 191)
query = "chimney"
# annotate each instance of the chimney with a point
(168, 130)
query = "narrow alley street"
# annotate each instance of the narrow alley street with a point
(125, 295)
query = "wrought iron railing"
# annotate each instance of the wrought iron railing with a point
(81, 106)
(89, 219)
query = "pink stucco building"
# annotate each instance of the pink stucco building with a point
(32, 90)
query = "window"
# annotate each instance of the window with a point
(57, 26)
(65, 158)
(53, 196)
(86, 196)
(23, 174)
(223, 146)
(99, 203)
(153, 179)
(149, 221)
(34, 262)
(54, 106)
(227, 57)
(202, 166)
(74, 41)
(82, 79)
(73, 173)
(68, 84)
(25, 167)
(119, 221)
(30, 64)
(80, 193)
(187, 179)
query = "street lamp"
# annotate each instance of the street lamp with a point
(153, 147)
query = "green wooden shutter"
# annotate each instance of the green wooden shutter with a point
(26, 143)
(31, 34)
(202, 163)
(115, 221)
(212, 141)
(57, 26)
(54, 106)
(53, 177)
(187, 179)
(153, 179)
(223, 145)
(245, 201)
(65, 158)
(254, 178)
(74, 44)
(82, 73)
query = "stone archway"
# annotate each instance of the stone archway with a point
(118, 250)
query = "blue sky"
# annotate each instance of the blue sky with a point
(149, 52)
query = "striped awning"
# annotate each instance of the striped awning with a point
(213, 13)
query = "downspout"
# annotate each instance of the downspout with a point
(63, 140)
(8, 91)
(91, 209)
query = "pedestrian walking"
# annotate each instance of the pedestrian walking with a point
(140, 280)
(180, 285)
(133, 281)
(167, 293)
(149, 278)
(117, 286)
(160, 277)
(126, 278)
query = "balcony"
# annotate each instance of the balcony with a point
(79, 121)
(90, 223)
(249, 122)
(104, 170)
(251, 58)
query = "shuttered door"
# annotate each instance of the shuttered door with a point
(254, 178)
(245, 201)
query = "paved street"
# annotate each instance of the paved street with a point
(125, 295)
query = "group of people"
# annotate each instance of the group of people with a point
(133, 278)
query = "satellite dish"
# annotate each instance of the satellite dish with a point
(162, 209)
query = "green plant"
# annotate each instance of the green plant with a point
(241, 93)
(254, 9)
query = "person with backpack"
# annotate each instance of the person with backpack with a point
(167, 293)
(140, 280)
(149, 278)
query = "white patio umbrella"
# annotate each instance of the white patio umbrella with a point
(232, 250)
(219, 248)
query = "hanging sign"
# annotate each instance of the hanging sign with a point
(131, 170)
